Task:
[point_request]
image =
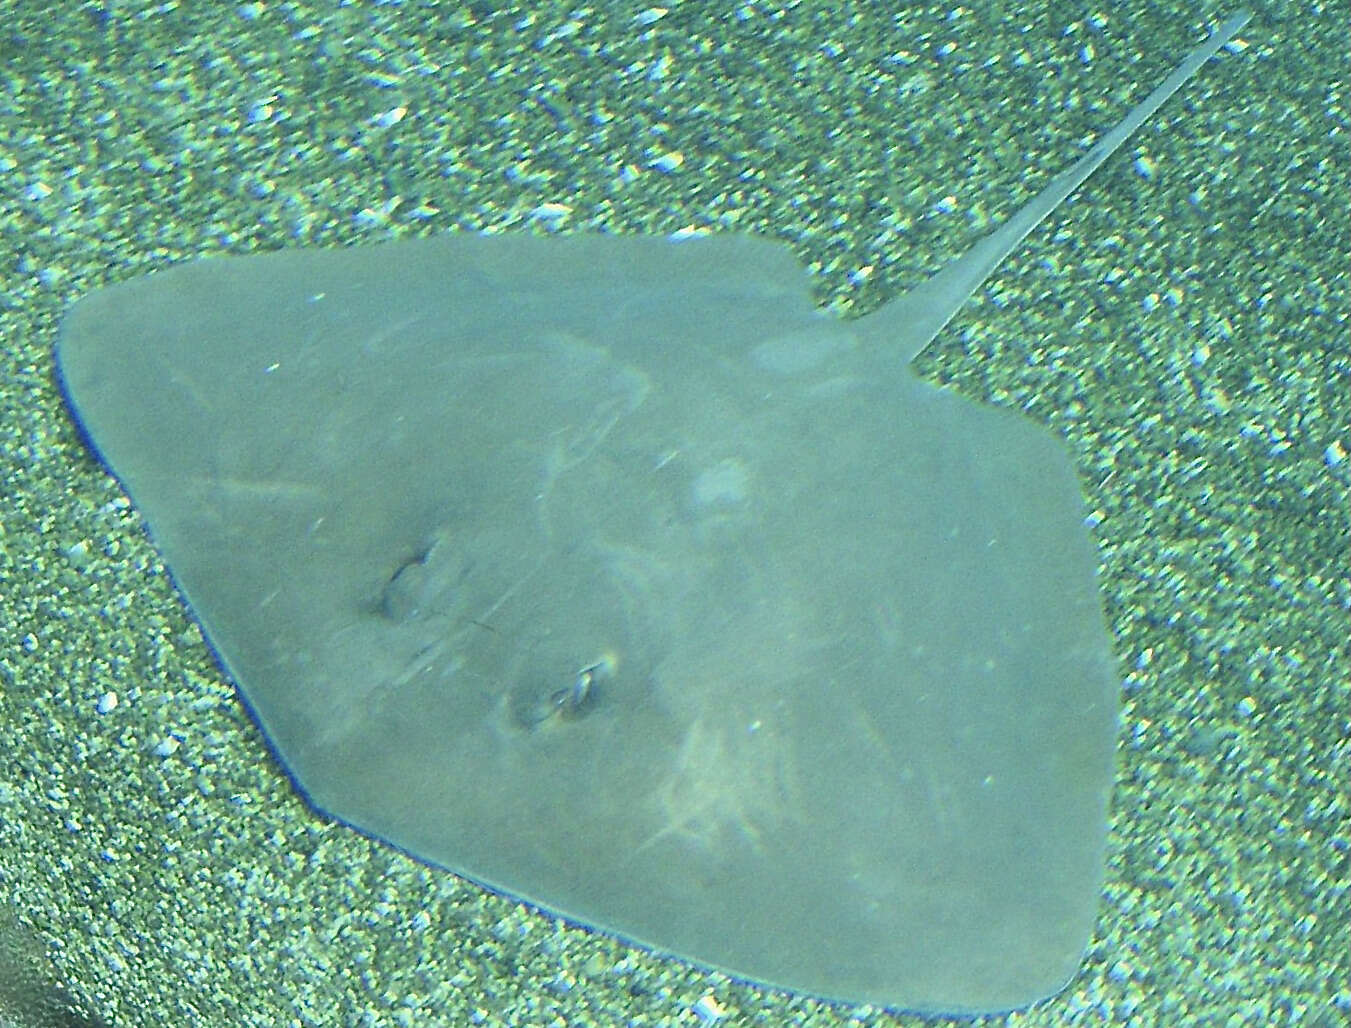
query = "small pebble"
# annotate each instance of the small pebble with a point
(708, 1009)
(668, 162)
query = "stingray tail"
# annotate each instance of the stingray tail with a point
(921, 313)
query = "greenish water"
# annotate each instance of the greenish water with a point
(1183, 322)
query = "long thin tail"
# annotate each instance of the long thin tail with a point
(921, 313)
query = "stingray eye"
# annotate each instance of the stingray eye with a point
(573, 700)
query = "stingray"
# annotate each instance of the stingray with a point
(611, 574)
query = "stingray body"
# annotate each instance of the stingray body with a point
(609, 573)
